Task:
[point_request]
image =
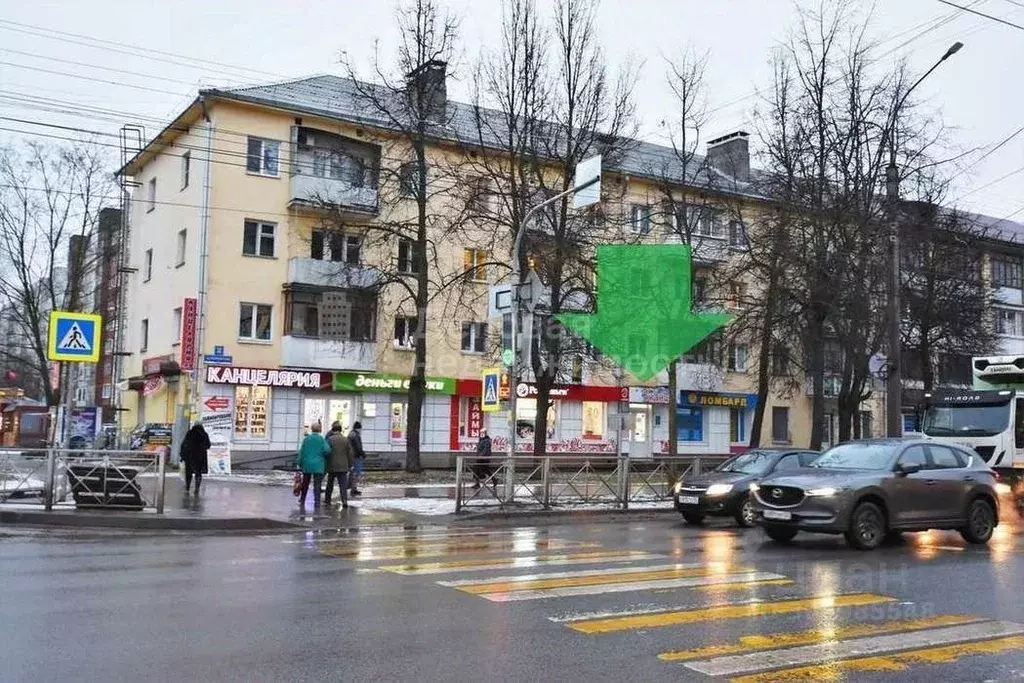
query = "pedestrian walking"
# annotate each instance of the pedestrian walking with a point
(482, 467)
(312, 460)
(339, 463)
(355, 440)
(194, 449)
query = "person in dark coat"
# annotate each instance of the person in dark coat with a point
(338, 464)
(355, 440)
(194, 449)
(482, 467)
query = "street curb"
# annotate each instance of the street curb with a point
(116, 520)
(555, 515)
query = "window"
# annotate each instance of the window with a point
(708, 352)
(261, 156)
(258, 239)
(707, 222)
(479, 195)
(409, 180)
(151, 197)
(737, 425)
(475, 263)
(1010, 322)
(526, 417)
(594, 420)
(251, 411)
(474, 337)
(176, 324)
(105, 394)
(405, 332)
(738, 357)
(179, 249)
(407, 253)
(737, 295)
(254, 322)
(304, 314)
(1007, 272)
(577, 369)
(945, 458)
(147, 266)
(640, 219)
(866, 424)
(186, 166)
(780, 361)
(690, 424)
(738, 235)
(335, 246)
(780, 424)
(914, 456)
(144, 336)
(700, 290)
(788, 462)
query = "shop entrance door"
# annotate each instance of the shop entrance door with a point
(640, 433)
(344, 410)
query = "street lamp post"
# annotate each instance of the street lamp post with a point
(894, 377)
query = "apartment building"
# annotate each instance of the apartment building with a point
(244, 308)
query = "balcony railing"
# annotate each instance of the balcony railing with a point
(310, 271)
(315, 190)
(306, 352)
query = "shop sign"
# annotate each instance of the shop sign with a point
(152, 386)
(474, 417)
(716, 399)
(648, 395)
(218, 420)
(189, 311)
(265, 377)
(355, 381)
(151, 366)
(504, 387)
(576, 392)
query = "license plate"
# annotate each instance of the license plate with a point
(777, 514)
(689, 500)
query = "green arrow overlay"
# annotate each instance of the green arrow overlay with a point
(644, 318)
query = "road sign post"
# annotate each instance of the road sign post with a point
(490, 401)
(71, 338)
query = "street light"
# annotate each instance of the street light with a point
(894, 378)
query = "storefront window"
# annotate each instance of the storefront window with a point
(526, 417)
(593, 420)
(398, 416)
(737, 425)
(251, 406)
(313, 413)
(690, 424)
(341, 410)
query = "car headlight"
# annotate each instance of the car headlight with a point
(823, 492)
(754, 488)
(718, 489)
(678, 486)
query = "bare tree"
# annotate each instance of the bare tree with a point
(412, 106)
(50, 197)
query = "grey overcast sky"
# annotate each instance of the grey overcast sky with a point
(977, 93)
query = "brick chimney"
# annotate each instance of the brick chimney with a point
(429, 81)
(730, 154)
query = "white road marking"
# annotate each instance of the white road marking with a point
(784, 658)
(600, 589)
(524, 562)
(625, 571)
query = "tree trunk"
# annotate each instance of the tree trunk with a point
(817, 371)
(764, 360)
(540, 425)
(418, 382)
(927, 373)
(673, 407)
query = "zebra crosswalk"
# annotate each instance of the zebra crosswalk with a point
(705, 617)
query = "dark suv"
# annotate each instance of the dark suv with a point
(871, 489)
(725, 491)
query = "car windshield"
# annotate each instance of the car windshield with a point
(751, 462)
(966, 420)
(856, 456)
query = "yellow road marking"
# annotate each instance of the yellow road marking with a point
(753, 643)
(750, 609)
(565, 582)
(711, 588)
(836, 671)
(526, 561)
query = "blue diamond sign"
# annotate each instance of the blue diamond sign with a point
(74, 337)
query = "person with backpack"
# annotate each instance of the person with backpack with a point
(355, 440)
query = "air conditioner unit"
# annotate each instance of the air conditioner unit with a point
(1002, 368)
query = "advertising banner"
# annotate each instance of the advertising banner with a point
(218, 420)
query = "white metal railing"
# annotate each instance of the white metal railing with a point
(132, 480)
(565, 480)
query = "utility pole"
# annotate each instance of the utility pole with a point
(894, 376)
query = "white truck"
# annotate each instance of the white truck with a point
(988, 418)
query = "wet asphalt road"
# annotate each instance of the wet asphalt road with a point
(590, 600)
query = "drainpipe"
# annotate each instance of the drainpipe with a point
(204, 253)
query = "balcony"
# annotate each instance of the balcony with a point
(315, 191)
(318, 273)
(323, 354)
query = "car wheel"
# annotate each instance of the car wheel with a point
(867, 527)
(745, 514)
(780, 534)
(981, 521)
(694, 518)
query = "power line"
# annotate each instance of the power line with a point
(1003, 142)
(97, 66)
(989, 184)
(95, 80)
(982, 14)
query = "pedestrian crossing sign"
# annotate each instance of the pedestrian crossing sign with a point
(74, 337)
(490, 402)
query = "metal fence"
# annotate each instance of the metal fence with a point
(124, 480)
(566, 480)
